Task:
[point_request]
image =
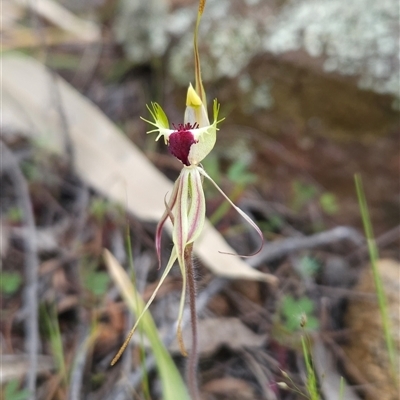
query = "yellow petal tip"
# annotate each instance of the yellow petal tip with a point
(192, 98)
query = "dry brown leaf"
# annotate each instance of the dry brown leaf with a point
(61, 17)
(216, 332)
(234, 387)
(4, 240)
(10, 14)
(366, 345)
(66, 27)
(328, 374)
(15, 366)
(22, 37)
(110, 328)
(103, 156)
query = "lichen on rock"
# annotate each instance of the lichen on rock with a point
(230, 40)
(356, 38)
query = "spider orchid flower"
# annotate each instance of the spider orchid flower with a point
(189, 142)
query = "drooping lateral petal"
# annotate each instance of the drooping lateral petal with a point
(197, 210)
(180, 240)
(160, 225)
(170, 264)
(241, 212)
(195, 217)
(180, 230)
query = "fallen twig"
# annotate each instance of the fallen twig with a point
(274, 250)
(75, 386)
(329, 378)
(382, 241)
(11, 167)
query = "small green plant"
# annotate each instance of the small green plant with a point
(14, 215)
(12, 391)
(295, 311)
(302, 194)
(311, 382)
(328, 203)
(311, 378)
(10, 282)
(308, 266)
(54, 333)
(99, 208)
(311, 392)
(238, 173)
(31, 171)
(97, 282)
(274, 223)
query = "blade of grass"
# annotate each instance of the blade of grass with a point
(172, 382)
(374, 255)
(341, 392)
(311, 383)
(145, 380)
(56, 343)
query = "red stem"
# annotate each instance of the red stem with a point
(191, 367)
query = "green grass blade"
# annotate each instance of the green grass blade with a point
(172, 382)
(145, 380)
(341, 392)
(374, 255)
(312, 386)
(56, 343)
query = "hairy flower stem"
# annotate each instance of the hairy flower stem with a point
(191, 366)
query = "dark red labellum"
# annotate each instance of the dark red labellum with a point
(180, 142)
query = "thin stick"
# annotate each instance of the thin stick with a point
(285, 247)
(191, 368)
(10, 165)
(77, 371)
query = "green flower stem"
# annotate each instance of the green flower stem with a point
(191, 367)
